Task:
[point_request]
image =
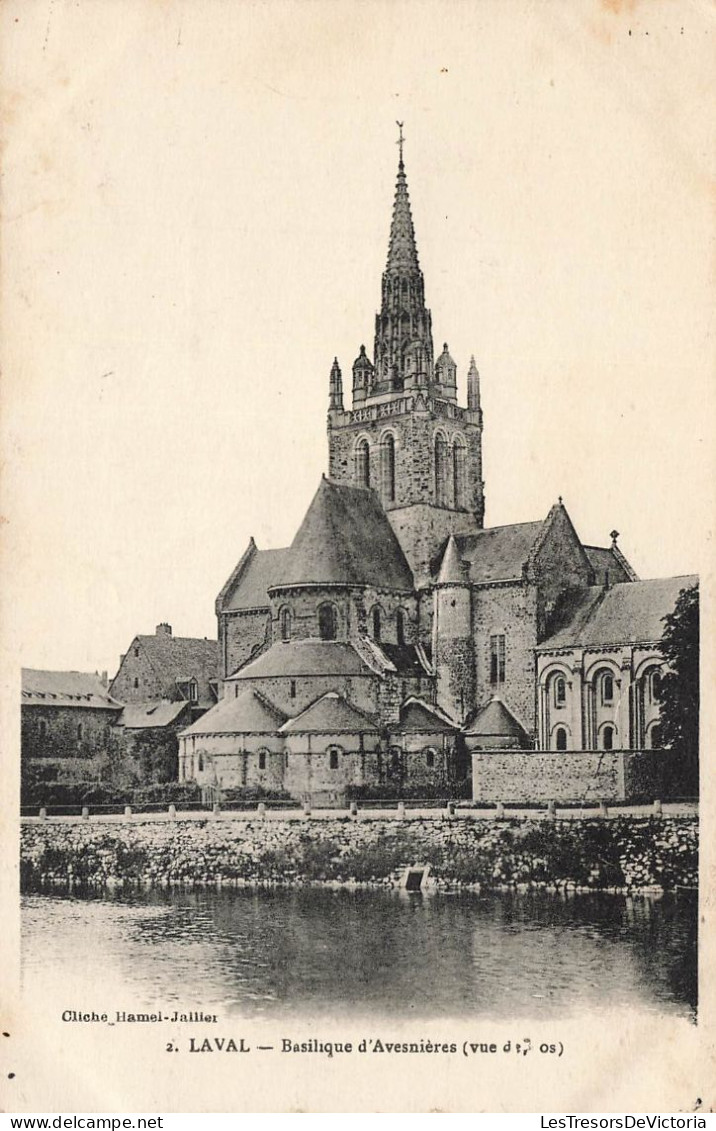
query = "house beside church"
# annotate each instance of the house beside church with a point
(67, 719)
(166, 682)
(398, 643)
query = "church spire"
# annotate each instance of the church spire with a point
(402, 249)
(403, 353)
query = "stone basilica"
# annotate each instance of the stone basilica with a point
(398, 639)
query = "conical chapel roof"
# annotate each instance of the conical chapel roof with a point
(346, 539)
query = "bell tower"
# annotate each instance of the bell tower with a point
(405, 435)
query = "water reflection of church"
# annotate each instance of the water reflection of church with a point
(397, 634)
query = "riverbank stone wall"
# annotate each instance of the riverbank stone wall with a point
(623, 853)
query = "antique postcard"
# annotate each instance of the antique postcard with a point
(357, 507)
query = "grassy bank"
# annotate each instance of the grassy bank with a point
(625, 853)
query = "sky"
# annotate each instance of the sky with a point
(196, 211)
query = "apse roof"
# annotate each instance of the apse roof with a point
(305, 657)
(495, 720)
(346, 539)
(249, 712)
(331, 714)
(419, 717)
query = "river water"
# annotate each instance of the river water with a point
(362, 953)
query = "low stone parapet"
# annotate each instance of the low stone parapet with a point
(574, 777)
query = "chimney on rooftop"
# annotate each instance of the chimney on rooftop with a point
(163, 629)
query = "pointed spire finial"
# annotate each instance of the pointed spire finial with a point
(473, 386)
(401, 139)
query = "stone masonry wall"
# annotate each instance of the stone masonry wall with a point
(239, 634)
(563, 776)
(62, 738)
(627, 852)
(507, 610)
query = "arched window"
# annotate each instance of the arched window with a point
(400, 626)
(497, 658)
(327, 621)
(292, 689)
(607, 688)
(262, 759)
(375, 619)
(194, 691)
(655, 685)
(200, 762)
(387, 468)
(362, 464)
(560, 738)
(441, 455)
(608, 738)
(458, 473)
(136, 681)
(652, 738)
(80, 732)
(333, 757)
(560, 691)
(430, 758)
(285, 624)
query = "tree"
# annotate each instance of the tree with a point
(679, 691)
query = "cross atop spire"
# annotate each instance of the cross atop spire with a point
(402, 250)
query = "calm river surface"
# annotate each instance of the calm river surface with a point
(272, 954)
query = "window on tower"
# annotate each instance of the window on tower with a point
(458, 476)
(400, 626)
(285, 624)
(375, 623)
(387, 467)
(497, 659)
(362, 458)
(441, 476)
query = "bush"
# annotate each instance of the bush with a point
(168, 793)
(73, 794)
(391, 791)
(254, 793)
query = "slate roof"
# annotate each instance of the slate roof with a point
(263, 570)
(603, 561)
(331, 714)
(406, 658)
(418, 717)
(42, 688)
(346, 539)
(177, 659)
(305, 657)
(631, 612)
(145, 716)
(249, 712)
(499, 552)
(495, 720)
